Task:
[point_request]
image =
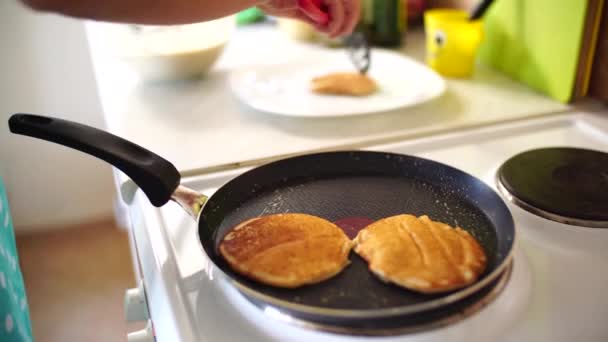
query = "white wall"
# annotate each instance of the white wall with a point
(45, 69)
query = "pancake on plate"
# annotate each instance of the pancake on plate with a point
(420, 254)
(344, 83)
(286, 250)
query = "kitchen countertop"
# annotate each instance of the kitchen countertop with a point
(201, 127)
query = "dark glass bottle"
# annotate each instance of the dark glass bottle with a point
(384, 22)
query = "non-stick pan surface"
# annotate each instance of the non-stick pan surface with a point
(341, 186)
(338, 186)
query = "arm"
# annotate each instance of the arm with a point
(151, 12)
(343, 13)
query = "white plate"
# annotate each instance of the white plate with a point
(285, 88)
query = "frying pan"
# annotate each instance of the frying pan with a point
(345, 186)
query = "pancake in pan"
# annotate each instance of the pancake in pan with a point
(286, 250)
(420, 254)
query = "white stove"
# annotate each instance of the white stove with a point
(558, 289)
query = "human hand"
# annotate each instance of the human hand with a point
(343, 14)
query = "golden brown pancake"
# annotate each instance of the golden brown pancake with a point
(344, 83)
(287, 250)
(420, 254)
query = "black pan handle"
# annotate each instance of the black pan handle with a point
(157, 177)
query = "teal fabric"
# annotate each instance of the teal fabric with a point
(14, 314)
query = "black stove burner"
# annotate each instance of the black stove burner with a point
(567, 185)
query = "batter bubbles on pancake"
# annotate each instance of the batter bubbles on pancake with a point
(286, 250)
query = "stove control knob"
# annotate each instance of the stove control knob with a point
(144, 335)
(136, 308)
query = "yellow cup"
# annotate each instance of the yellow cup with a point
(451, 41)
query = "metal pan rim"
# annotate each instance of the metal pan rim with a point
(440, 323)
(376, 313)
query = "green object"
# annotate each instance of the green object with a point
(249, 16)
(14, 314)
(536, 42)
(384, 22)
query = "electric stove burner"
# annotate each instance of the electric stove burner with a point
(567, 185)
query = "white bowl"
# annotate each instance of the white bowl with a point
(159, 53)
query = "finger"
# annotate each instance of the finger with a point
(274, 7)
(282, 5)
(287, 13)
(305, 18)
(321, 28)
(352, 11)
(301, 15)
(294, 14)
(336, 17)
